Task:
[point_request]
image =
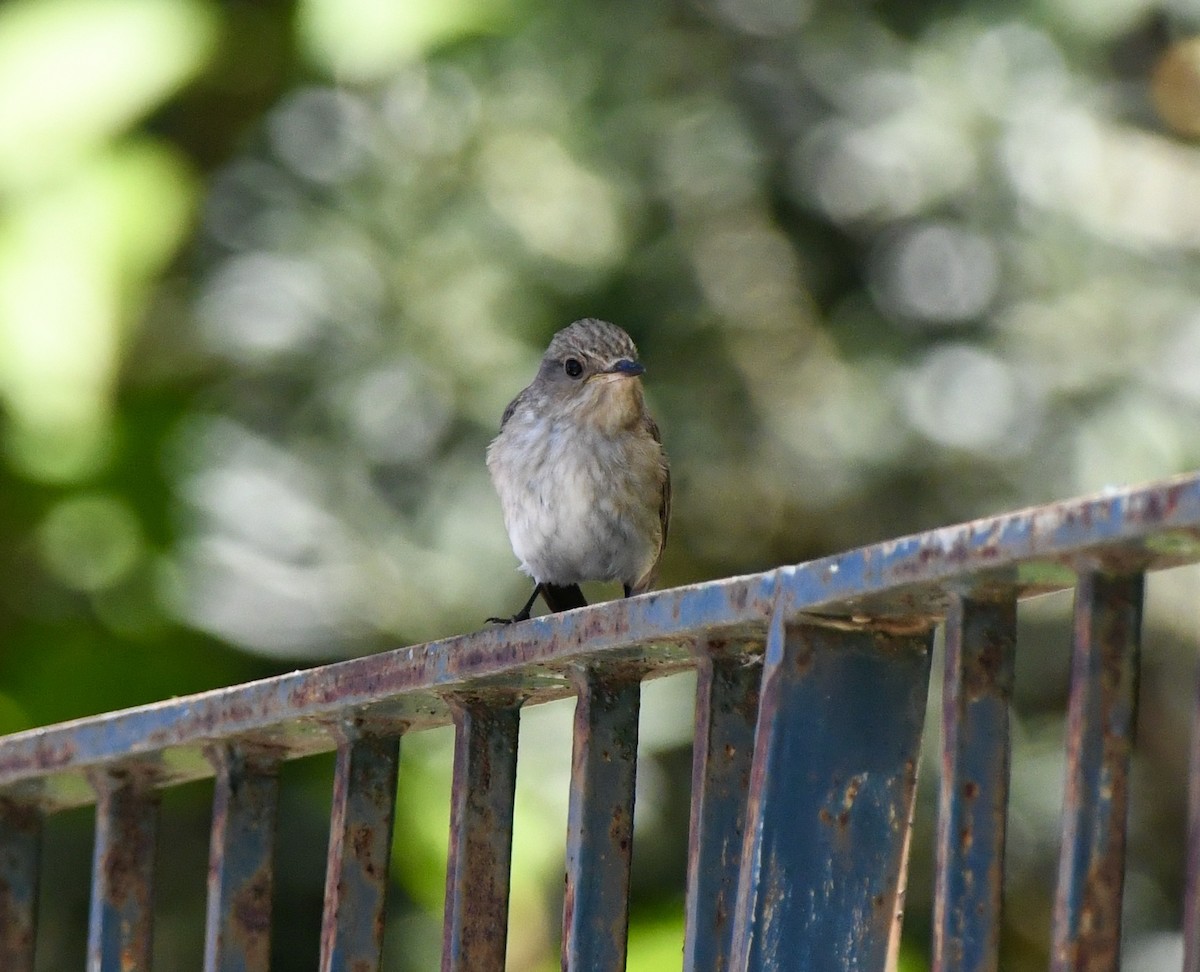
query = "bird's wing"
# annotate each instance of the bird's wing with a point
(664, 511)
(512, 407)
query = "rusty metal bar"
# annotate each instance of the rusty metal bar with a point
(360, 848)
(121, 919)
(976, 752)
(727, 683)
(1101, 719)
(600, 821)
(826, 823)
(901, 581)
(241, 861)
(20, 857)
(481, 821)
(1191, 894)
(831, 797)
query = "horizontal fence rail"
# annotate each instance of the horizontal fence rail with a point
(811, 694)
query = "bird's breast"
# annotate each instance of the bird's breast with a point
(578, 504)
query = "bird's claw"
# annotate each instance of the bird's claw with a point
(523, 614)
(515, 619)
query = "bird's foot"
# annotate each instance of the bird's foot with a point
(523, 614)
(515, 619)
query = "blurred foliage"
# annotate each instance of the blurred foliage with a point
(269, 273)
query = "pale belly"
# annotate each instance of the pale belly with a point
(577, 514)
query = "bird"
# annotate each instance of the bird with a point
(583, 479)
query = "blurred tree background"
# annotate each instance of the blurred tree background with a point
(270, 271)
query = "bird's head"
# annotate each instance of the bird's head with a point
(590, 371)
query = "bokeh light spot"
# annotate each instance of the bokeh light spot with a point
(749, 272)
(708, 161)
(399, 413)
(76, 72)
(559, 208)
(431, 110)
(936, 274)
(965, 398)
(90, 541)
(1015, 64)
(69, 257)
(320, 134)
(259, 305)
(1179, 364)
(364, 40)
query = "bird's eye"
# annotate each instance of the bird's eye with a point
(573, 367)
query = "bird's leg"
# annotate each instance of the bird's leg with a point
(558, 598)
(628, 590)
(562, 597)
(523, 614)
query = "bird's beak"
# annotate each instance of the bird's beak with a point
(625, 368)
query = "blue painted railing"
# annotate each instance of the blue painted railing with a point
(811, 693)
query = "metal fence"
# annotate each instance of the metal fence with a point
(811, 695)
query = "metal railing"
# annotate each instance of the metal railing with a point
(811, 694)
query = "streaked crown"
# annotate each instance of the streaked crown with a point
(592, 338)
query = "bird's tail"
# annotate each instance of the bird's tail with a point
(565, 597)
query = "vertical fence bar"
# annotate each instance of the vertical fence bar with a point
(121, 917)
(360, 849)
(726, 708)
(20, 858)
(481, 821)
(1101, 718)
(831, 796)
(600, 822)
(976, 754)
(1191, 894)
(241, 861)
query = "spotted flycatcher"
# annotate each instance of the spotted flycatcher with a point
(581, 472)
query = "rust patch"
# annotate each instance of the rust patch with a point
(26, 817)
(362, 843)
(739, 596)
(844, 804)
(802, 652)
(16, 936)
(17, 913)
(251, 908)
(618, 831)
(568, 913)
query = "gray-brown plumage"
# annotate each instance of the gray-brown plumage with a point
(580, 469)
